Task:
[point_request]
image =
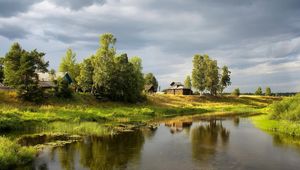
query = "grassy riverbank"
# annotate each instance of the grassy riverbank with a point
(283, 117)
(84, 108)
(83, 115)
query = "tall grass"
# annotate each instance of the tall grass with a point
(287, 109)
(12, 154)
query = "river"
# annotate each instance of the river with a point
(191, 145)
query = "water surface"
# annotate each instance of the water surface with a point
(215, 144)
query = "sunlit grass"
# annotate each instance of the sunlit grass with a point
(12, 154)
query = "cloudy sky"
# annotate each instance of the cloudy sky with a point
(258, 39)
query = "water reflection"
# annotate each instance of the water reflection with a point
(206, 137)
(96, 153)
(214, 144)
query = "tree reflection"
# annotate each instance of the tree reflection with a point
(113, 152)
(206, 137)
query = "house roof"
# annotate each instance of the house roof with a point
(49, 77)
(177, 85)
(148, 87)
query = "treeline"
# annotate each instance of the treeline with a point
(207, 76)
(105, 74)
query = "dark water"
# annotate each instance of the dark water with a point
(227, 144)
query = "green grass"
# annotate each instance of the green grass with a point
(283, 117)
(12, 154)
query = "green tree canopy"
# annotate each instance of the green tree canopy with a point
(236, 92)
(225, 79)
(85, 78)
(103, 63)
(268, 91)
(198, 73)
(21, 69)
(188, 82)
(1, 69)
(151, 80)
(258, 91)
(114, 76)
(68, 64)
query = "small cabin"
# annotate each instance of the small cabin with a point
(149, 88)
(46, 79)
(178, 88)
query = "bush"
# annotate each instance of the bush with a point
(12, 154)
(236, 92)
(63, 90)
(287, 109)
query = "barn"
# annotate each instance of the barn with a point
(178, 88)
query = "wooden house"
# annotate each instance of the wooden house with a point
(177, 88)
(149, 89)
(46, 80)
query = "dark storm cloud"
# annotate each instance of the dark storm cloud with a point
(13, 7)
(246, 35)
(77, 4)
(12, 32)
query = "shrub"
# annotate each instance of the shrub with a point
(236, 92)
(287, 109)
(12, 154)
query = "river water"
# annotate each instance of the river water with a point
(215, 144)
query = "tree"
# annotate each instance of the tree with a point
(21, 69)
(68, 64)
(236, 92)
(151, 80)
(258, 91)
(85, 78)
(62, 89)
(225, 79)
(114, 76)
(1, 69)
(198, 73)
(188, 82)
(211, 75)
(268, 91)
(12, 64)
(138, 73)
(103, 63)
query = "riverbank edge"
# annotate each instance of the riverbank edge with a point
(277, 126)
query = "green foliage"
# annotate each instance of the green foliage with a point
(205, 75)
(62, 89)
(12, 154)
(198, 73)
(1, 69)
(138, 73)
(21, 69)
(225, 79)
(188, 82)
(151, 80)
(12, 64)
(236, 92)
(268, 91)
(211, 75)
(287, 109)
(115, 77)
(103, 63)
(258, 91)
(85, 78)
(68, 64)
